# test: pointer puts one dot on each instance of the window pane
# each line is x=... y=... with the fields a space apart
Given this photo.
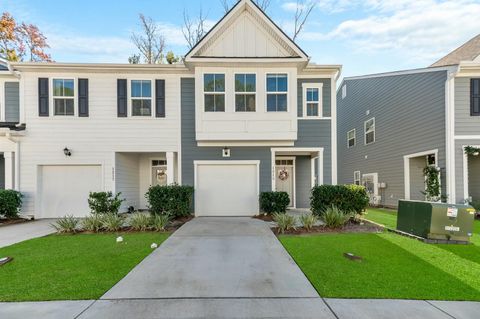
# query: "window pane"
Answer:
x=251 y=103
x=136 y=88
x=271 y=103
x=476 y=106
x=68 y=88
x=271 y=83
x=219 y=103
x=351 y=143
x=281 y=102
x=141 y=107
x=476 y=86
x=369 y=125
x=209 y=103
x=282 y=83
x=370 y=137
x=240 y=103
x=57 y=87
x=209 y=82
x=59 y=106
x=314 y=95
x=251 y=83
x=312 y=109
x=146 y=89
x=69 y=107
x=219 y=83
x=239 y=82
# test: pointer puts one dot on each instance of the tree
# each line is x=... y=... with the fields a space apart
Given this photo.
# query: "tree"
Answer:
x=20 y=40
x=172 y=58
x=150 y=42
x=263 y=4
x=193 y=30
x=302 y=13
x=134 y=59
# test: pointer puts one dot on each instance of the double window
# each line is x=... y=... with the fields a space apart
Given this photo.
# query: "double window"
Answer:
x=64 y=97
x=245 y=92
x=370 y=131
x=277 y=88
x=475 y=97
x=141 y=96
x=351 y=138
x=214 y=92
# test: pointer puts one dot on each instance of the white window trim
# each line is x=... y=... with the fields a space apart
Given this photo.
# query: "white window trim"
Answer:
x=248 y=93
x=344 y=91
x=277 y=92
x=359 y=180
x=354 y=138
x=305 y=87
x=224 y=93
x=130 y=104
x=374 y=131
x=52 y=97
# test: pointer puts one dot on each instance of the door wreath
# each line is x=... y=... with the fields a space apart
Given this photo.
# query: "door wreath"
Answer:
x=283 y=174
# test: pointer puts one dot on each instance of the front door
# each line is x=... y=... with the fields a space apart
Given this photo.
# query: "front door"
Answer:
x=285 y=177
x=370 y=181
x=159 y=172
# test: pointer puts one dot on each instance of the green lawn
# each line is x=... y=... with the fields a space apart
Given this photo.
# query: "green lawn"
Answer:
x=394 y=267
x=66 y=267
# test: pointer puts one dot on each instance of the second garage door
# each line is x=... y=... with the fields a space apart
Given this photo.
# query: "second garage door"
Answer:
x=64 y=190
x=226 y=188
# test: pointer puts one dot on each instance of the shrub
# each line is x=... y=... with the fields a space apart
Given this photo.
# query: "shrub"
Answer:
x=160 y=222
x=140 y=222
x=10 y=203
x=104 y=203
x=308 y=221
x=274 y=202
x=93 y=223
x=335 y=217
x=476 y=204
x=172 y=200
x=67 y=224
x=112 y=222
x=348 y=198
x=284 y=222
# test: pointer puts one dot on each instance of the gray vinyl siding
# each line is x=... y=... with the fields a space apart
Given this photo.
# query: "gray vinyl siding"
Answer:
x=12 y=102
x=303 y=181
x=465 y=124
x=409 y=113
x=2 y=171
x=191 y=152
x=326 y=95
x=459 y=169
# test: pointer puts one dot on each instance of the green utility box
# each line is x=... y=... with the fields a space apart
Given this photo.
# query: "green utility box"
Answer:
x=436 y=221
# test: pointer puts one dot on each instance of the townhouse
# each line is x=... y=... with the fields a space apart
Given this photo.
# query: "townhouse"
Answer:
x=245 y=112
x=391 y=126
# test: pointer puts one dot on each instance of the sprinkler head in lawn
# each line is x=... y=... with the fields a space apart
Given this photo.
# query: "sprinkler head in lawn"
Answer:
x=5 y=260
x=352 y=257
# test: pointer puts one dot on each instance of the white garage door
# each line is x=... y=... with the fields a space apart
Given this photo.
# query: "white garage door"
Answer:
x=226 y=188
x=64 y=189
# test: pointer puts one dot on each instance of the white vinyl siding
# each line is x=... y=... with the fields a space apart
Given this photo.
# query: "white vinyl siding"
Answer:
x=214 y=92
x=277 y=93
x=351 y=138
x=370 y=131
x=63 y=97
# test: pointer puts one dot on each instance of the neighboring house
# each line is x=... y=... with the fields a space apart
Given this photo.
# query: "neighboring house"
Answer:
x=246 y=112
x=392 y=125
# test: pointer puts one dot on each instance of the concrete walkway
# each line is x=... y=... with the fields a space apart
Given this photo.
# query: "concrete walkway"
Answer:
x=12 y=234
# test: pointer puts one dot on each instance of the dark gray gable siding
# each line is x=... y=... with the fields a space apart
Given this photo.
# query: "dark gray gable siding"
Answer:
x=410 y=118
x=326 y=95
x=191 y=152
x=12 y=102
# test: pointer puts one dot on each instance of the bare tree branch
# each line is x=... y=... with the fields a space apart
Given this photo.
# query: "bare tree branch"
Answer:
x=150 y=42
x=193 y=30
x=302 y=13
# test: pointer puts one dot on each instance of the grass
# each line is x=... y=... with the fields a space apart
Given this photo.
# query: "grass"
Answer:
x=71 y=267
x=394 y=266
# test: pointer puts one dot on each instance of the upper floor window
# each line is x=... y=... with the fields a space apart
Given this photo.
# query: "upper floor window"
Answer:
x=245 y=92
x=312 y=100
x=351 y=138
x=64 y=97
x=357 y=178
x=214 y=92
x=475 y=97
x=344 y=91
x=370 y=131
x=277 y=88
x=141 y=94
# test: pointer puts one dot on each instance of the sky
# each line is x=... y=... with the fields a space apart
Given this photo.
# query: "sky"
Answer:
x=365 y=36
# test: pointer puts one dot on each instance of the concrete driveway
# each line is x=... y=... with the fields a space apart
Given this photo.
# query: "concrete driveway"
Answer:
x=214 y=268
x=12 y=234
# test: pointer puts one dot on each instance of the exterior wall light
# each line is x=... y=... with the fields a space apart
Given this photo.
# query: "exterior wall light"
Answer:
x=226 y=152
x=67 y=152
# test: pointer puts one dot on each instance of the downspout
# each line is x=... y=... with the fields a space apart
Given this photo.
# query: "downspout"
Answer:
x=450 y=134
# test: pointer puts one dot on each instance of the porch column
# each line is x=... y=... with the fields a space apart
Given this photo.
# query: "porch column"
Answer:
x=9 y=165
x=320 y=169
x=170 y=168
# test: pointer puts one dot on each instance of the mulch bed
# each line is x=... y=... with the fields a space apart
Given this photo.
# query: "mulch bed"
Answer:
x=6 y=222
x=265 y=218
x=352 y=227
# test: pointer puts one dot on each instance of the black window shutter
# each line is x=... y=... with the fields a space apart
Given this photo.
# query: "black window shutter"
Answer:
x=122 y=98
x=43 y=97
x=160 y=98
x=83 y=97
x=475 y=97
